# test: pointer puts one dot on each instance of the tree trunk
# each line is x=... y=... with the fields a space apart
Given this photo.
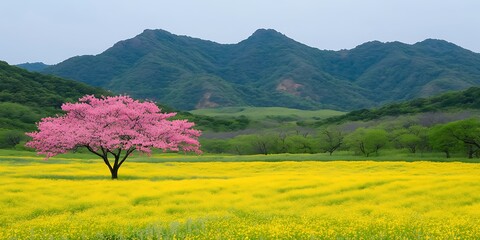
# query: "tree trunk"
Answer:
x=447 y=153
x=470 y=151
x=362 y=149
x=118 y=160
x=114 y=172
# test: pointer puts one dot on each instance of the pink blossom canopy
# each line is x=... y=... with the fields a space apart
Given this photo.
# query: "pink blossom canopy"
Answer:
x=113 y=123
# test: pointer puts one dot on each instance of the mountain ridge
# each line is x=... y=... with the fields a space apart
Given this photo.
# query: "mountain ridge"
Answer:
x=33 y=67
x=270 y=69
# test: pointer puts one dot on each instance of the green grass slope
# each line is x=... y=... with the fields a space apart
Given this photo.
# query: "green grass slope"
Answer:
x=260 y=113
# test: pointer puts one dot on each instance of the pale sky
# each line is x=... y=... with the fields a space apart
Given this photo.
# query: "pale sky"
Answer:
x=51 y=31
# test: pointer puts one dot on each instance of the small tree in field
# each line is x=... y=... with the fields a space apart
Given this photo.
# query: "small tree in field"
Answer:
x=442 y=140
x=367 y=141
x=113 y=127
x=331 y=139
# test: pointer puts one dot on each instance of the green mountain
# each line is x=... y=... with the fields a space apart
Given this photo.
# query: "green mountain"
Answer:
x=25 y=96
x=270 y=69
x=33 y=67
x=450 y=101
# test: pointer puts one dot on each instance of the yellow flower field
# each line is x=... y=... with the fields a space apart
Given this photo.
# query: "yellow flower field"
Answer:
x=75 y=199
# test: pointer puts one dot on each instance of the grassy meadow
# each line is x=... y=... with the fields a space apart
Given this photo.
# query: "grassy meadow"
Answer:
x=261 y=113
x=72 y=197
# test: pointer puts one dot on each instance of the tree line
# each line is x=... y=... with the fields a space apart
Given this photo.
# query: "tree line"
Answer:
x=455 y=137
x=460 y=137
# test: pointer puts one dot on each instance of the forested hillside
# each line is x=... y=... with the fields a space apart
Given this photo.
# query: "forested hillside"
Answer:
x=451 y=101
x=25 y=97
x=270 y=69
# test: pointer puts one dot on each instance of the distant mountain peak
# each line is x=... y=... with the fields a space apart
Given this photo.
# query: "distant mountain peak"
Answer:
x=154 y=33
x=435 y=41
x=437 y=44
x=267 y=35
x=33 y=67
x=266 y=31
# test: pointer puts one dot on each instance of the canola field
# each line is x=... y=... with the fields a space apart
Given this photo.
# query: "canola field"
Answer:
x=75 y=199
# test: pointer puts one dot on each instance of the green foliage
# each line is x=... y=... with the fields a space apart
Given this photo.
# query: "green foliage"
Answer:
x=217 y=124
x=243 y=145
x=11 y=138
x=301 y=144
x=331 y=139
x=467 y=132
x=270 y=69
x=275 y=113
x=414 y=138
x=39 y=91
x=442 y=140
x=25 y=97
x=409 y=141
x=458 y=138
x=18 y=116
x=215 y=145
x=264 y=143
x=217 y=119
x=367 y=141
x=468 y=99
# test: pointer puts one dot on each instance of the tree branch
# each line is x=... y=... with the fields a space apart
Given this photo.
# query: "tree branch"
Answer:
x=129 y=151
x=104 y=156
x=94 y=152
x=114 y=154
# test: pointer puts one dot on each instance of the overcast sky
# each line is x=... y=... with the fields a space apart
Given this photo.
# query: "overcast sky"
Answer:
x=51 y=31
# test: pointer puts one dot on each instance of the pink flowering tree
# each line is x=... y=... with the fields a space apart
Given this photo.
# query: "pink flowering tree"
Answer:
x=113 y=128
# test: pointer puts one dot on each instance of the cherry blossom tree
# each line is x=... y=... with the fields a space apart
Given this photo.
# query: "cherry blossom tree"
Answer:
x=113 y=127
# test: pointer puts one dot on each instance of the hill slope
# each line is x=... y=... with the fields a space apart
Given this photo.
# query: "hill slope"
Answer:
x=457 y=100
x=25 y=96
x=270 y=69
